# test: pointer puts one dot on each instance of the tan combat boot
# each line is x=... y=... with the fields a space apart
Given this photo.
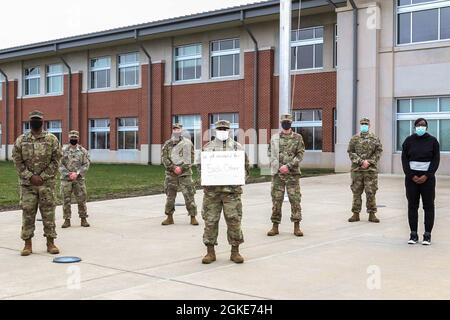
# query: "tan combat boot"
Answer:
x=84 y=223
x=194 y=221
x=235 y=256
x=168 y=221
x=274 y=231
x=27 y=250
x=373 y=218
x=210 y=255
x=51 y=248
x=297 y=231
x=66 y=224
x=354 y=218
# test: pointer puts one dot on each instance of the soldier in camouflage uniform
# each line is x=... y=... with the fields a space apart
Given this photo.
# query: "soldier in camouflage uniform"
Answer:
x=74 y=166
x=178 y=158
x=365 y=151
x=226 y=198
x=285 y=153
x=36 y=156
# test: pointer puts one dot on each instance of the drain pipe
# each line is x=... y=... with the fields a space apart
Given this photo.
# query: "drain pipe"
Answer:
x=6 y=113
x=69 y=95
x=355 y=64
x=256 y=88
x=150 y=98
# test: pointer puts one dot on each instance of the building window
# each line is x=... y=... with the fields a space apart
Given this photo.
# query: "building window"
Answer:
x=54 y=78
x=307 y=49
x=128 y=69
x=233 y=118
x=308 y=123
x=26 y=127
x=435 y=110
x=336 y=38
x=192 y=128
x=127 y=134
x=99 y=134
x=32 y=81
x=55 y=128
x=422 y=20
x=188 y=62
x=100 y=73
x=225 y=58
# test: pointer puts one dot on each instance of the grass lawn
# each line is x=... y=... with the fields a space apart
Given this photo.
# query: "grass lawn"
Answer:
x=109 y=181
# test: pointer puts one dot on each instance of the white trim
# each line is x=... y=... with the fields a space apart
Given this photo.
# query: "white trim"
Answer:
x=423 y=6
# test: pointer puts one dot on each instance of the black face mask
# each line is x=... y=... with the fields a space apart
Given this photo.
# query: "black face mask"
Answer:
x=36 y=124
x=73 y=142
x=286 y=125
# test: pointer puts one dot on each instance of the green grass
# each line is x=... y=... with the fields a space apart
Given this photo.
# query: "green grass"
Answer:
x=110 y=181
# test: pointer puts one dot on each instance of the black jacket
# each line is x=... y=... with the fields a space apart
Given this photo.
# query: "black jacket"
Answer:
x=423 y=149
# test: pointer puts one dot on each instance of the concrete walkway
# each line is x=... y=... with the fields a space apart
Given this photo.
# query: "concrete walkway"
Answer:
x=127 y=254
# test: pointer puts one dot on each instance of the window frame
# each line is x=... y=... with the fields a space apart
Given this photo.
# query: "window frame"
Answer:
x=56 y=131
x=54 y=75
x=187 y=58
x=197 y=127
x=308 y=42
x=97 y=69
x=228 y=52
x=136 y=65
x=134 y=129
x=100 y=129
x=32 y=77
x=412 y=116
x=310 y=124
x=418 y=7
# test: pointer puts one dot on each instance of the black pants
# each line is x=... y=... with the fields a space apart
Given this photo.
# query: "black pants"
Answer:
x=413 y=193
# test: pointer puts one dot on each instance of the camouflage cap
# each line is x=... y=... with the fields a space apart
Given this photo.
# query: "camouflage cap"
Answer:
x=36 y=114
x=286 y=117
x=222 y=124
x=74 y=134
x=177 y=126
x=364 y=121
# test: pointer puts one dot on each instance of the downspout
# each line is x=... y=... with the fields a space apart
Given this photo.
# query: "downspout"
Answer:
x=355 y=64
x=255 y=89
x=6 y=113
x=149 y=98
x=69 y=95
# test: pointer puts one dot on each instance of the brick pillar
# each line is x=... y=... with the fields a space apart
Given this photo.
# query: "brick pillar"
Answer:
x=159 y=117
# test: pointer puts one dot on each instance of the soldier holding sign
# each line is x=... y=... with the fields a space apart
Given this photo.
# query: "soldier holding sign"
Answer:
x=226 y=197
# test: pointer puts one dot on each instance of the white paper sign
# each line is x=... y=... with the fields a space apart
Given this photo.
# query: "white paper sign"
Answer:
x=223 y=168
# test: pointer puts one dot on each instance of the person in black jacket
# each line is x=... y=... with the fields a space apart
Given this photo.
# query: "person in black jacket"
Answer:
x=420 y=160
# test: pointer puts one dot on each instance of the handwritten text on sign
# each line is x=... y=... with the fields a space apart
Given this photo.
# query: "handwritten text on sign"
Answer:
x=223 y=168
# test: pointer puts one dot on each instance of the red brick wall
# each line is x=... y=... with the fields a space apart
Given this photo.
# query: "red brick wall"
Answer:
x=313 y=91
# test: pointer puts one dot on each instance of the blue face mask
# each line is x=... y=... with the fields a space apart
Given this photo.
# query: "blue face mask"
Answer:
x=421 y=130
x=364 y=128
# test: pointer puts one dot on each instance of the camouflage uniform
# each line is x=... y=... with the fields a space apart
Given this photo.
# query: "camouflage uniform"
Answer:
x=179 y=153
x=227 y=198
x=74 y=159
x=364 y=146
x=286 y=149
x=40 y=156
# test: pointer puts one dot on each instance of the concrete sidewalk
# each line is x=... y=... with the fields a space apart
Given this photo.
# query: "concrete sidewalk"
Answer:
x=127 y=254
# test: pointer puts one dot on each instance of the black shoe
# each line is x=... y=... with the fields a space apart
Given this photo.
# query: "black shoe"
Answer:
x=426 y=239
x=414 y=238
